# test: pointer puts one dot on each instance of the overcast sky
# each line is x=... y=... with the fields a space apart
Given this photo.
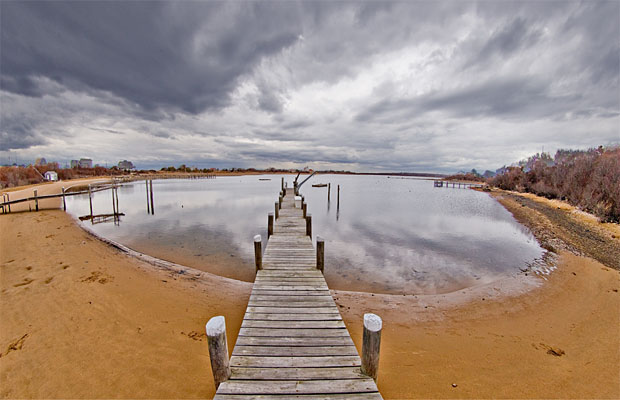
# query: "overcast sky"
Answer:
x=407 y=86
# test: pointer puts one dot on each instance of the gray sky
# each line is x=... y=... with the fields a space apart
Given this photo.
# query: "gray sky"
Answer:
x=363 y=86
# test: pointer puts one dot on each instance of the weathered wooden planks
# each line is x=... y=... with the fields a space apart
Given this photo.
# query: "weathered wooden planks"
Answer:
x=293 y=343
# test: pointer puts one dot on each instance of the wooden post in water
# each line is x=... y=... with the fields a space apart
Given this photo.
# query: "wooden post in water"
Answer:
x=116 y=190
x=113 y=203
x=304 y=207
x=371 y=344
x=309 y=225
x=218 y=349
x=283 y=184
x=36 y=201
x=277 y=210
x=280 y=202
x=338 y=202
x=148 y=203
x=258 y=254
x=269 y=225
x=320 y=254
x=329 y=189
x=64 y=203
x=152 y=204
x=90 y=200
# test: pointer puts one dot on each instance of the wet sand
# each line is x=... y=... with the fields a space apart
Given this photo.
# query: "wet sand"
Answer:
x=80 y=319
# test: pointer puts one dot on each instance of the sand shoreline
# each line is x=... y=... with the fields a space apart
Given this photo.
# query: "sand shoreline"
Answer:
x=83 y=320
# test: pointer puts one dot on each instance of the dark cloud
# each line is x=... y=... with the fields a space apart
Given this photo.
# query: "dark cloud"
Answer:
x=18 y=134
x=501 y=98
x=136 y=51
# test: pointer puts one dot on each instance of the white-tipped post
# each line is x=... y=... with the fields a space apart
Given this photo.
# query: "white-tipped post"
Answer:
x=371 y=344
x=258 y=253
x=218 y=349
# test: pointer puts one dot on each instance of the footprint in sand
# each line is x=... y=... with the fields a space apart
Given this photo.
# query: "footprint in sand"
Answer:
x=48 y=280
x=98 y=276
x=16 y=344
x=27 y=281
x=195 y=335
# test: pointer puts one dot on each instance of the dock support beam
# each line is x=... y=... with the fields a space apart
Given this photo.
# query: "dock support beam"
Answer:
x=258 y=253
x=320 y=254
x=277 y=210
x=371 y=344
x=304 y=207
x=90 y=199
x=269 y=225
x=309 y=225
x=218 y=349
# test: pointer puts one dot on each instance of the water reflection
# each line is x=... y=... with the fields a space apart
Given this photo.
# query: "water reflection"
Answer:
x=382 y=235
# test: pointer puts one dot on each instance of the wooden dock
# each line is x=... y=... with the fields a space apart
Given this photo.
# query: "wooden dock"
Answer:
x=293 y=342
x=464 y=185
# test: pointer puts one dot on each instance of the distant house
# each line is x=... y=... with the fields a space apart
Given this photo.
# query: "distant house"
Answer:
x=51 y=176
x=85 y=163
x=125 y=165
x=75 y=163
x=40 y=162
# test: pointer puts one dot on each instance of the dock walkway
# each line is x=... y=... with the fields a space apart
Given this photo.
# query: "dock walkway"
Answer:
x=293 y=342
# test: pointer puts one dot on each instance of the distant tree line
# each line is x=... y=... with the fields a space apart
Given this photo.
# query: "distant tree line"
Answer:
x=20 y=176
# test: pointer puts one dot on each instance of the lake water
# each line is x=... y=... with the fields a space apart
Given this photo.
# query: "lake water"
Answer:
x=389 y=235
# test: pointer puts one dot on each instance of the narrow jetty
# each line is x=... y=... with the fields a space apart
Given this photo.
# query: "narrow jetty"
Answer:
x=464 y=185
x=293 y=342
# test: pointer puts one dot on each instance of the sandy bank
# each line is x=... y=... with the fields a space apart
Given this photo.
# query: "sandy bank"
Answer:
x=82 y=320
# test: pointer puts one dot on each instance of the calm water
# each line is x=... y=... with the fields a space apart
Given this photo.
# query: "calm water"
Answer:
x=389 y=235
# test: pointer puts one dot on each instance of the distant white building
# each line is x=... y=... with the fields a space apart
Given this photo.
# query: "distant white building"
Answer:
x=125 y=165
x=51 y=176
x=85 y=163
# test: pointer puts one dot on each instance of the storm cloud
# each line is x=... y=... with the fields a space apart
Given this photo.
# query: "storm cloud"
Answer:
x=367 y=86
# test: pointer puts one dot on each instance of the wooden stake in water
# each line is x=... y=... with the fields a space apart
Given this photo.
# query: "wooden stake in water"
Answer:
x=338 y=202
x=277 y=210
x=218 y=349
x=90 y=200
x=64 y=203
x=329 y=189
x=148 y=203
x=152 y=204
x=371 y=344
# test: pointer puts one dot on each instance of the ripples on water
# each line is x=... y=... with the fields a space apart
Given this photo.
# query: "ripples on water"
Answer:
x=389 y=235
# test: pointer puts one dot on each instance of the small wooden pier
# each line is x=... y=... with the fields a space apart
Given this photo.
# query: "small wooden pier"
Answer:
x=459 y=185
x=293 y=342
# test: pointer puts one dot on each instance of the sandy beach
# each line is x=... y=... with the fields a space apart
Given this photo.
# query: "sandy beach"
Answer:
x=81 y=319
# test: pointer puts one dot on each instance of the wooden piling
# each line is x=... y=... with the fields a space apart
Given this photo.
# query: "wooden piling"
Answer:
x=36 y=201
x=148 y=203
x=304 y=207
x=320 y=254
x=283 y=184
x=269 y=225
x=116 y=191
x=152 y=204
x=258 y=254
x=64 y=203
x=371 y=344
x=8 y=198
x=218 y=349
x=309 y=225
x=90 y=200
x=113 y=203
x=338 y=202
x=280 y=202
x=277 y=210
x=329 y=189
